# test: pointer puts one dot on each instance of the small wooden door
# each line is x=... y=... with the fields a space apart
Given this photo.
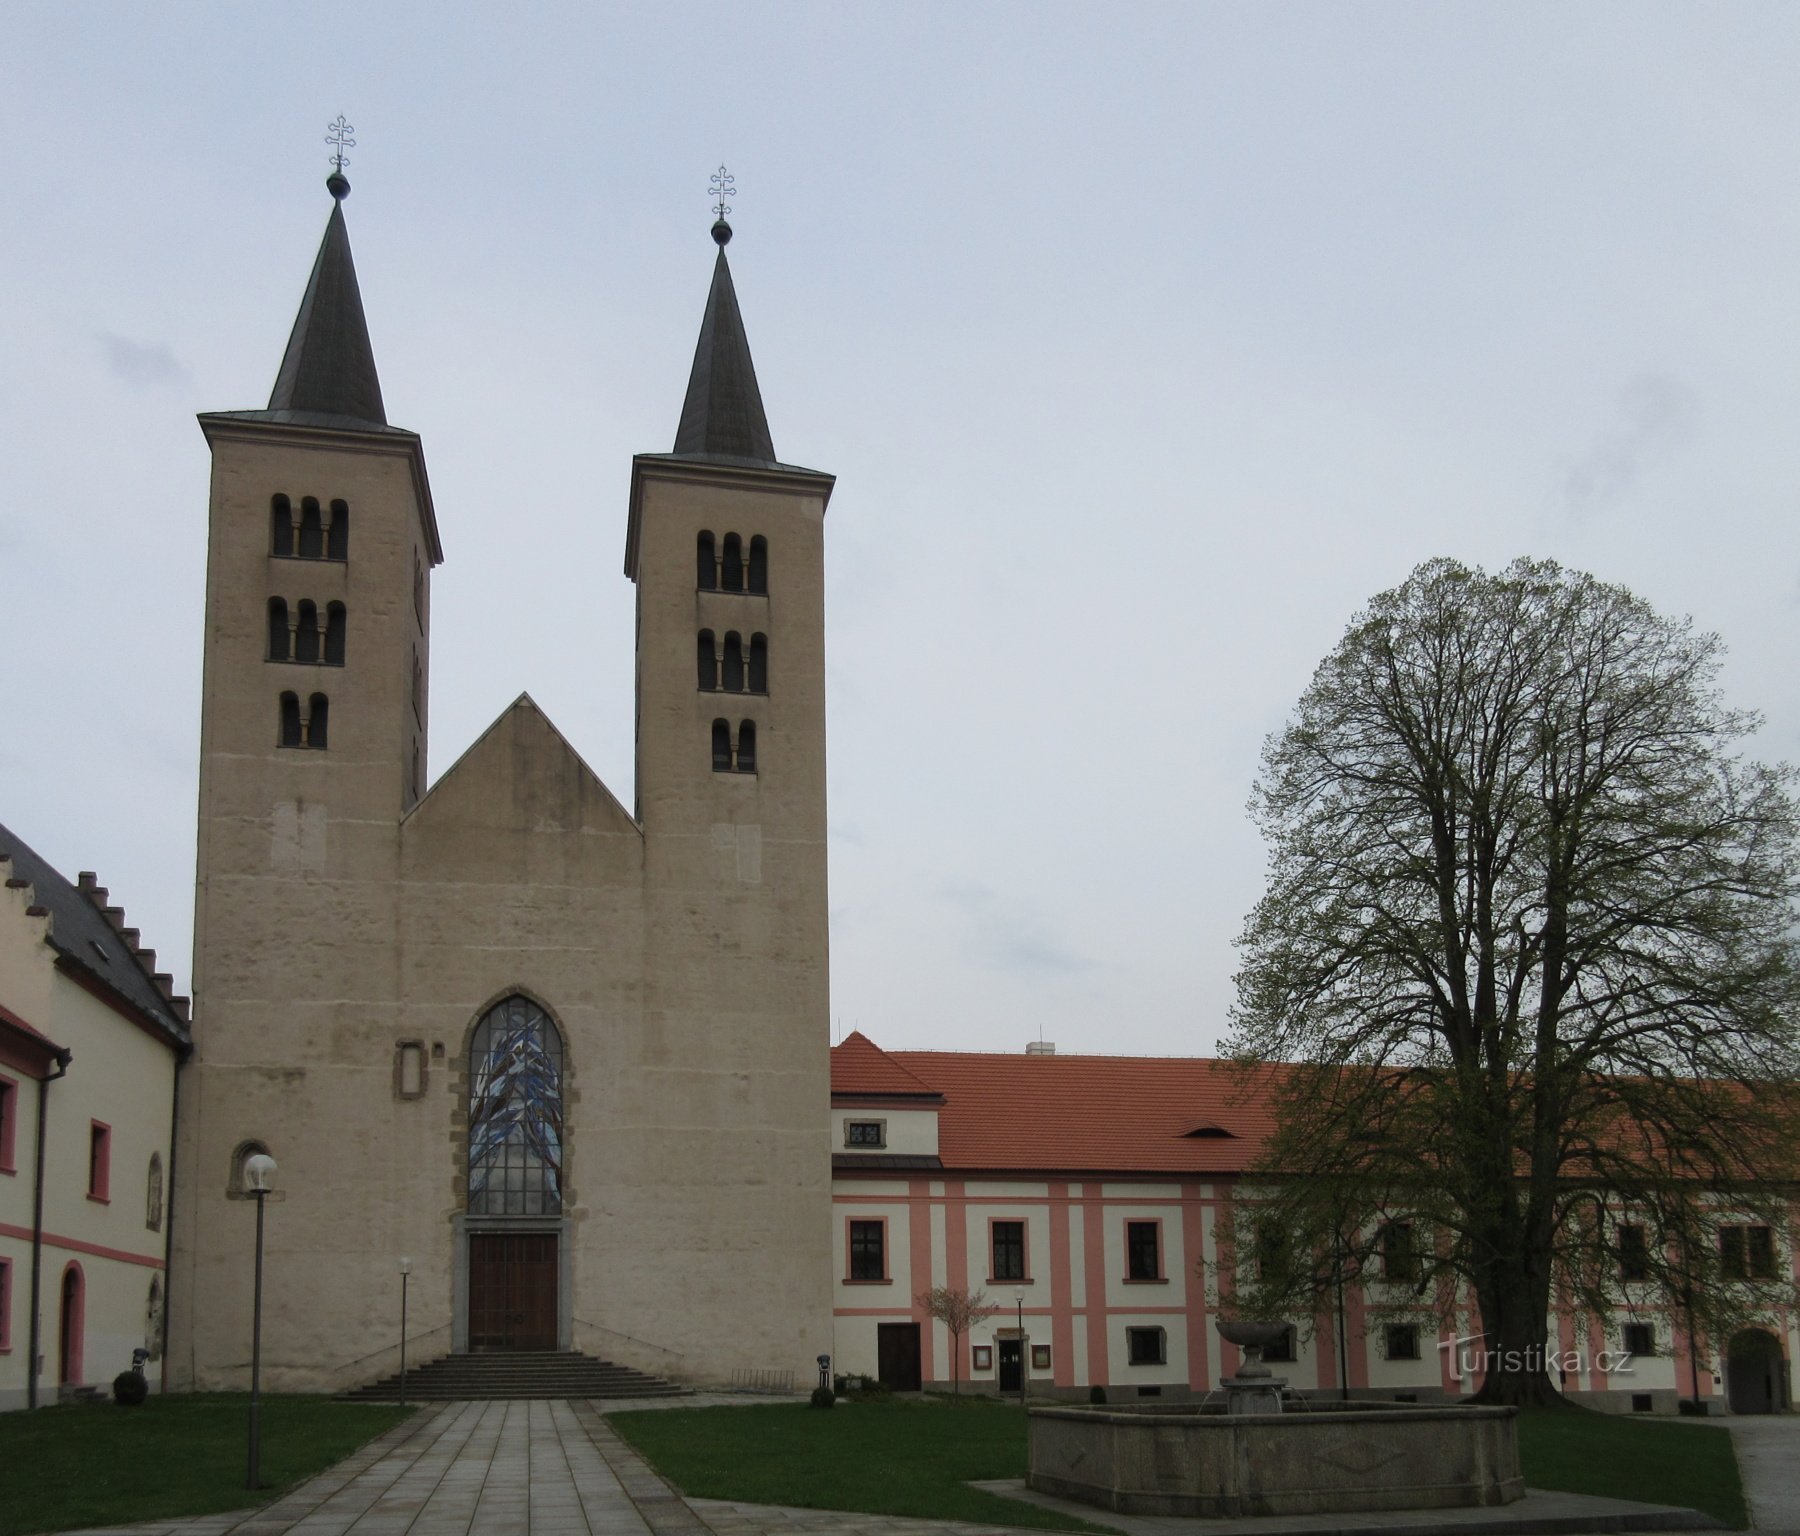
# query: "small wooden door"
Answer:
x=1754 y=1372
x=1009 y=1365
x=897 y=1356
x=512 y=1290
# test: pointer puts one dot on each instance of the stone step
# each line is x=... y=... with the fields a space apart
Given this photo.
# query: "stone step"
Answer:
x=517 y=1374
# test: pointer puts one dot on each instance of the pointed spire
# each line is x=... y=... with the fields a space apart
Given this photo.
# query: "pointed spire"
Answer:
x=329 y=367
x=722 y=416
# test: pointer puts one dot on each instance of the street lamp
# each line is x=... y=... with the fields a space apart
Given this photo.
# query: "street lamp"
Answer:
x=259 y=1179
x=405 y=1270
x=1024 y=1356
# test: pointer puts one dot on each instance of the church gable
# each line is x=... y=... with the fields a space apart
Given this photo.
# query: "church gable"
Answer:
x=514 y=800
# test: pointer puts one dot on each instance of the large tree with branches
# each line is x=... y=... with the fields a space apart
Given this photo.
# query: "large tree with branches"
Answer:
x=1527 y=965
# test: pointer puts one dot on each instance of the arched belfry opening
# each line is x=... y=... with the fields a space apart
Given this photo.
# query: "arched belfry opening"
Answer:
x=512 y=1251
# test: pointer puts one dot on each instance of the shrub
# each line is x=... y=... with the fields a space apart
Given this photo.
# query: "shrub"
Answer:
x=130 y=1389
x=823 y=1397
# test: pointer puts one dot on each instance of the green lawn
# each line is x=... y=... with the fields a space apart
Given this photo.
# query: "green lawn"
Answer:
x=1620 y=1457
x=97 y=1464
x=906 y=1457
x=888 y=1458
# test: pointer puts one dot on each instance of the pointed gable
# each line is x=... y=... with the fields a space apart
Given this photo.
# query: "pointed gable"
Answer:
x=861 y=1069
x=722 y=417
x=329 y=366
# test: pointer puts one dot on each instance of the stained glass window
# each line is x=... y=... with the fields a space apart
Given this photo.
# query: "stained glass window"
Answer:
x=515 y=1113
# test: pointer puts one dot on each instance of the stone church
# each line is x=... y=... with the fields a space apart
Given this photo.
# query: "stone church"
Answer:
x=567 y=1056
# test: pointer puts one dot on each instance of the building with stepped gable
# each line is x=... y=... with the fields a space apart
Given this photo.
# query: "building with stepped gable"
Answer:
x=568 y=1056
x=91 y=1035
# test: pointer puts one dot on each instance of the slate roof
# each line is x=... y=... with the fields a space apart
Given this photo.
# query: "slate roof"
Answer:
x=329 y=367
x=1120 y=1115
x=722 y=417
x=87 y=939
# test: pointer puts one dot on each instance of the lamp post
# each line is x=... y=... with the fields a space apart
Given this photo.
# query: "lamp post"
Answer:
x=1024 y=1357
x=405 y=1271
x=259 y=1178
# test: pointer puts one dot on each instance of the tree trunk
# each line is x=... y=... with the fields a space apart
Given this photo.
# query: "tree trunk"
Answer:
x=1514 y=1348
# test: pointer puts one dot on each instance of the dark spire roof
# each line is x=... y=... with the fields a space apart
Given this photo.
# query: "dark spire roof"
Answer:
x=722 y=417
x=329 y=368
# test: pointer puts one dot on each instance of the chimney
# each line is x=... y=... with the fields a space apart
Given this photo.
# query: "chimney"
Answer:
x=1040 y=1047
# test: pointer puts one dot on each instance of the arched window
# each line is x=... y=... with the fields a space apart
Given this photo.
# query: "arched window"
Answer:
x=418 y=781
x=759 y=663
x=706 y=563
x=306 y=632
x=515 y=1112
x=734 y=664
x=731 y=576
x=706 y=661
x=153 y=1318
x=278 y=629
x=338 y=546
x=153 y=1194
x=419 y=589
x=290 y=720
x=721 y=746
x=746 y=752
x=316 y=721
x=235 y=1186
x=281 y=526
x=72 y=1326
x=312 y=529
x=335 y=624
x=759 y=564
x=418 y=693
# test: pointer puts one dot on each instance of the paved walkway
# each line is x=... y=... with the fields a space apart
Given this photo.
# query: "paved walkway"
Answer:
x=1768 y=1457
x=557 y=1469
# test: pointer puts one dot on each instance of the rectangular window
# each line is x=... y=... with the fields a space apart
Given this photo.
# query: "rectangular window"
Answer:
x=1283 y=1349
x=865 y=1133
x=1144 y=1346
x=5 y=1305
x=1634 y=1254
x=1638 y=1338
x=409 y=1069
x=1398 y=1261
x=1747 y=1253
x=1009 y=1250
x=9 y=1123
x=99 y=1160
x=1143 y=1250
x=1402 y=1341
x=868 y=1250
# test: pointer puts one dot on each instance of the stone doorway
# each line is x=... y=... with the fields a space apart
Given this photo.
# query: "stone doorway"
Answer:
x=1012 y=1363
x=1755 y=1373
x=513 y=1290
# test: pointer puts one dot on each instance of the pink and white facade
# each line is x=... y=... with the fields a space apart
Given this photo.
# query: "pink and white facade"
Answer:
x=1085 y=1195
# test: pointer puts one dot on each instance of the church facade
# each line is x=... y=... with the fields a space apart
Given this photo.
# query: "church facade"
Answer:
x=568 y=1058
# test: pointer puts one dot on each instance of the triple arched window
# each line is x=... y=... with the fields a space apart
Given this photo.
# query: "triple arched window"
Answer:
x=729 y=565
x=315 y=532
x=302 y=634
x=734 y=754
x=305 y=725
x=515 y=1112
x=730 y=666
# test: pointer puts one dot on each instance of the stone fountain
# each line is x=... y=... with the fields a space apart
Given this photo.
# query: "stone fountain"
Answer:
x=1254 y=1389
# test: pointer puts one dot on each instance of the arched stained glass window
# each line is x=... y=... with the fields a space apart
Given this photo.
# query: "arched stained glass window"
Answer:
x=515 y=1112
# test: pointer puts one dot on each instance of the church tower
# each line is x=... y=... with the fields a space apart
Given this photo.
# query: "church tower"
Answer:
x=321 y=540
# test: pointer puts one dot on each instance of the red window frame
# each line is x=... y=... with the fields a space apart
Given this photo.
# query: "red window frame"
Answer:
x=9 y=1123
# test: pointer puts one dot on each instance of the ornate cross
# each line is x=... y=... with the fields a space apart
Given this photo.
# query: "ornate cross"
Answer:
x=338 y=135
x=724 y=185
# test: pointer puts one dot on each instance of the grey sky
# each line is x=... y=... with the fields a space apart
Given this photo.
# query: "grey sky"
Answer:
x=1147 y=342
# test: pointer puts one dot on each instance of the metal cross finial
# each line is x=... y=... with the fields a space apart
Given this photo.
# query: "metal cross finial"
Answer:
x=724 y=185
x=338 y=135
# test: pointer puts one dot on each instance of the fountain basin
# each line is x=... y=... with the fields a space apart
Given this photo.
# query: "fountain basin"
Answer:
x=1183 y=1461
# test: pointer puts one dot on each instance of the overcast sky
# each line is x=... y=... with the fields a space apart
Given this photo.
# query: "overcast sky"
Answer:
x=1147 y=342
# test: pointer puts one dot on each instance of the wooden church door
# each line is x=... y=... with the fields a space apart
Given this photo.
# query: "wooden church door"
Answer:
x=512 y=1290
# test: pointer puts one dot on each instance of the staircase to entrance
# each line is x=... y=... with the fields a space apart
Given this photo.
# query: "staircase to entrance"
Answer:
x=548 y=1373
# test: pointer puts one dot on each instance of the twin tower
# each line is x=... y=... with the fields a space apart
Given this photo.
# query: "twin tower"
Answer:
x=568 y=1058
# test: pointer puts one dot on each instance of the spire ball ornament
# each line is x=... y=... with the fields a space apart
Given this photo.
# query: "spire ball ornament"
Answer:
x=338 y=136
x=724 y=185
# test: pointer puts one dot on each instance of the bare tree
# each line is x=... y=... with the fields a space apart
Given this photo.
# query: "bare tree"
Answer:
x=959 y=1311
x=1526 y=956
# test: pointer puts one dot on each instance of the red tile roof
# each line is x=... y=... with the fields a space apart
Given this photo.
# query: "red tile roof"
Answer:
x=860 y=1067
x=1079 y=1114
